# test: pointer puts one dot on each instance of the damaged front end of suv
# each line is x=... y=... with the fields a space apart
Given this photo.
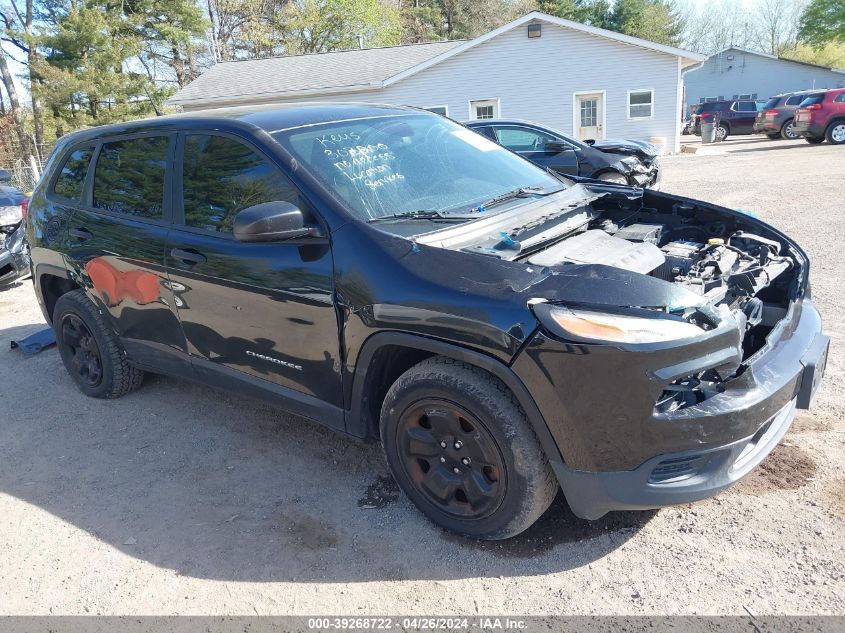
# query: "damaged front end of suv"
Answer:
x=676 y=339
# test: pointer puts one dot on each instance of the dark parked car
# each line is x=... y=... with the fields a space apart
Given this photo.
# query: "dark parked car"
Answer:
x=393 y=275
x=635 y=163
x=775 y=118
x=822 y=116
x=14 y=252
x=736 y=116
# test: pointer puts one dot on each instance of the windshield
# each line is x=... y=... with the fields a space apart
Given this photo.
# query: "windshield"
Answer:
x=395 y=164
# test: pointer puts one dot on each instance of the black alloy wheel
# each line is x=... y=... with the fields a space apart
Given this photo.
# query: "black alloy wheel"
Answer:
x=81 y=350
x=452 y=458
x=462 y=449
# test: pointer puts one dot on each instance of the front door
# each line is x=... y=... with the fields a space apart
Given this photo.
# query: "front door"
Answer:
x=589 y=116
x=261 y=312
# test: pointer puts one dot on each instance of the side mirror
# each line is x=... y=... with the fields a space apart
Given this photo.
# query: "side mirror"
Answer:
x=557 y=147
x=271 y=222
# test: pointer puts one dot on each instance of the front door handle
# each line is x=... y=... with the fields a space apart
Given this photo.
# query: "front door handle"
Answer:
x=188 y=256
x=81 y=233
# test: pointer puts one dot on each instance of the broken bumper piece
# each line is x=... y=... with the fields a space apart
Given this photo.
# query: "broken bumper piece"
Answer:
x=620 y=452
x=673 y=478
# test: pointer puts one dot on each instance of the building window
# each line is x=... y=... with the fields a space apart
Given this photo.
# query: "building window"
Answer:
x=535 y=30
x=640 y=104
x=484 y=109
x=442 y=110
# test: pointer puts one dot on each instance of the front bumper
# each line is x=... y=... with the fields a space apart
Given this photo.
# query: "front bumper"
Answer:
x=14 y=257
x=620 y=453
x=672 y=478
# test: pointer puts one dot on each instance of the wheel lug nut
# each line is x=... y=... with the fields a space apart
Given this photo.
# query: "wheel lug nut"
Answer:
x=442 y=460
x=443 y=444
x=465 y=461
x=456 y=470
x=458 y=444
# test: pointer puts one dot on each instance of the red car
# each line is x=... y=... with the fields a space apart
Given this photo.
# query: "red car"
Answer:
x=822 y=116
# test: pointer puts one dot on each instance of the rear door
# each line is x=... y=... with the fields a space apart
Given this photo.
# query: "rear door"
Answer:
x=743 y=114
x=261 y=312
x=117 y=235
x=539 y=147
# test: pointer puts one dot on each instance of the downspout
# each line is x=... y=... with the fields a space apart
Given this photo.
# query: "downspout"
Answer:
x=682 y=98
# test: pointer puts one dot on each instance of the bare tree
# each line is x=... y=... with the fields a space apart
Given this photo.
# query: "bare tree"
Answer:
x=776 y=24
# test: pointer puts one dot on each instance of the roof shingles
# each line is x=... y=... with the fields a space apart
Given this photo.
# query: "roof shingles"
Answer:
x=306 y=73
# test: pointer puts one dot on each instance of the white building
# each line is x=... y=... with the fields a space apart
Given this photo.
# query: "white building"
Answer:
x=735 y=73
x=582 y=80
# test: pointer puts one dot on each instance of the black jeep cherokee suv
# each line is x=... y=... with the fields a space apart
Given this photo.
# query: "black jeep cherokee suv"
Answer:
x=391 y=274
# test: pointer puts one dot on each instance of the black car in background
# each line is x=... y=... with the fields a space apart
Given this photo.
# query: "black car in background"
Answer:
x=395 y=276
x=14 y=253
x=736 y=116
x=634 y=163
x=776 y=117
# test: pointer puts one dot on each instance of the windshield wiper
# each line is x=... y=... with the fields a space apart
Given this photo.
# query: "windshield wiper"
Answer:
x=420 y=214
x=521 y=192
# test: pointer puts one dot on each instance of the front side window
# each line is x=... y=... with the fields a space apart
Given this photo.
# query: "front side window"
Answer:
x=485 y=109
x=640 y=104
x=71 y=179
x=409 y=162
x=129 y=177
x=222 y=176
x=520 y=139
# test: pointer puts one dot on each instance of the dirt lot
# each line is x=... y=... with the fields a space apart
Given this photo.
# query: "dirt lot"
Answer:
x=178 y=499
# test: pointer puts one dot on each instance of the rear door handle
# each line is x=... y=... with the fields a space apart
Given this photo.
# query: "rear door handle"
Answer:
x=81 y=233
x=188 y=256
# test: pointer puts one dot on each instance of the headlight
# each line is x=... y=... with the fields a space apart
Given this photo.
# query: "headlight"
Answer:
x=10 y=215
x=619 y=328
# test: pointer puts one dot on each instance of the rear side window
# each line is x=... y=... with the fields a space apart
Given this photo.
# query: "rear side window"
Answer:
x=222 y=176
x=129 y=177
x=840 y=98
x=71 y=178
x=794 y=100
x=746 y=106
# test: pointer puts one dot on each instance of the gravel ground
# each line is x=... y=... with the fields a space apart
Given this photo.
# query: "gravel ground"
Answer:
x=178 y=499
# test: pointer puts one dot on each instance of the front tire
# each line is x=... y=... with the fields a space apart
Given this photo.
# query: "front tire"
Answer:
x=90 y=350
x=462 y=449
x=836 y=133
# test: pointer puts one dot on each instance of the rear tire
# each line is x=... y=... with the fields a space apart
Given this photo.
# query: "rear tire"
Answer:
x=813 y=140
x=787 y=132
x=836 y=133
x=462 y=449
x=721 y=131
x=90 y=350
